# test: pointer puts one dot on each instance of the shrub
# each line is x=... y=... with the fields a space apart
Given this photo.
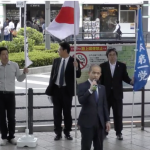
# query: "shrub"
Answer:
x=41 y=48
x=17 y=45
x=39 y=58
x=53 y=47
x=32 y=34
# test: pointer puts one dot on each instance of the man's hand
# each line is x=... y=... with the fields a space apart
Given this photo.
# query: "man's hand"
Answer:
x=94 y=83
x=75 y=64
x=132 y=81
x=108 y=126
x=25 y=70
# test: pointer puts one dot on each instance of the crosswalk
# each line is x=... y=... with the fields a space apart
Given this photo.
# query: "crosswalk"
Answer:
x=36 y=81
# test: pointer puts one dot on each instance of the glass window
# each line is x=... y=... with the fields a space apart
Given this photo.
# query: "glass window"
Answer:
x=91 y=22
x=127 y=16
x=108 y=18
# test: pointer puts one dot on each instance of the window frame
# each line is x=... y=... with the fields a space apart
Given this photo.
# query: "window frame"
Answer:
x=128 y=15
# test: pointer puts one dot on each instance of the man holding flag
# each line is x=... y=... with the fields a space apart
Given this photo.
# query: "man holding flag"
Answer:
x=65 y=69
x=8 y=72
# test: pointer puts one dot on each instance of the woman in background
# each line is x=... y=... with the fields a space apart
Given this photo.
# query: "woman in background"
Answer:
x=7 y=32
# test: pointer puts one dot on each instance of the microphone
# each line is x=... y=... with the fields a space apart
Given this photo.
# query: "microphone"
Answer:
x=94 y=86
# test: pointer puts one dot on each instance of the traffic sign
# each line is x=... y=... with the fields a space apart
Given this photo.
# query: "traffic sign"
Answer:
x=19 y=4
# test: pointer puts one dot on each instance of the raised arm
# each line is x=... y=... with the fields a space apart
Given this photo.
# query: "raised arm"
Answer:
x=83 y=94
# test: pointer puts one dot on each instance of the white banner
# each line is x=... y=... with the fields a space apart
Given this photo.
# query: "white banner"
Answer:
x=28 y=62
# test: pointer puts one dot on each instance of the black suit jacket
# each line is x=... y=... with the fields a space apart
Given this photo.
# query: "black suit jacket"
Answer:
x=90 y=109
x=69 y=76
x=115 y=82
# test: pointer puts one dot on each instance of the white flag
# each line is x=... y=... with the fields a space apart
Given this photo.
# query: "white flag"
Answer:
x=28 y=62
x=63 y=25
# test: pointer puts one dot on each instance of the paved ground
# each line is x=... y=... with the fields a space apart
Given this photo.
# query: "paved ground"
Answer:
x=140 y=141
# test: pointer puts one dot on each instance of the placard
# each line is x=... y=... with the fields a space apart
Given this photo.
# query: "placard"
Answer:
x=96 y=54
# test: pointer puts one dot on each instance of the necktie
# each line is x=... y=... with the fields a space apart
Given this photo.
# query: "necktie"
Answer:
x=96 y=96
x=61 y=79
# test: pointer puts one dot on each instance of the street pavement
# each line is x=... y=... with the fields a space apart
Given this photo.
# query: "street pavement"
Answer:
x=39 y=83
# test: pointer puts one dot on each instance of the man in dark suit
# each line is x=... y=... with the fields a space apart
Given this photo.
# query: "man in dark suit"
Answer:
x=61 y=89
x=94 y=116
x=113 y=75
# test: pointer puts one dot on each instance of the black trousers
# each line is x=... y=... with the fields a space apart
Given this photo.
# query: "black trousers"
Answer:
x=62 y=102
x=117 y=107
x=118 y=36
x=89 y=135
x=7 y=108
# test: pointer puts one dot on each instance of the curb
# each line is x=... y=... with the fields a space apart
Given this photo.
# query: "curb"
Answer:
x=50 y=127
x=37 y=70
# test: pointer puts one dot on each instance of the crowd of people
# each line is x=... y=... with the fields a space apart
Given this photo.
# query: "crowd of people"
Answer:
x=9 y=29
x=102 y=91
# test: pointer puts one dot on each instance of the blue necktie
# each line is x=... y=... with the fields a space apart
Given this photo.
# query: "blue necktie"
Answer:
x=96 y=96
x=61 y=79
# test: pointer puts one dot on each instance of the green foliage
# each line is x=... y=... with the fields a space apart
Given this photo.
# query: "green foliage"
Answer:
x=32 y=34
x=17 y=45
x=41 y=48
x=39 y=58
x=54 y=47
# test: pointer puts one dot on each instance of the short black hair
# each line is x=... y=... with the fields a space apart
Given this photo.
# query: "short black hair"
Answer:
x=117 y=21
x=109 y=50
x=65 y=46
x=3 y=49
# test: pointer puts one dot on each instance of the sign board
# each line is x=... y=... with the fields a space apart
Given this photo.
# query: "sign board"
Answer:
x=96 y=54
x=20 y=4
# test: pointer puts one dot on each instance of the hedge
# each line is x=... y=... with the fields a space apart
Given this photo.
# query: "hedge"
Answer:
x=32 y=34
x=17 y=44
x=39 y=58
x=54 y=47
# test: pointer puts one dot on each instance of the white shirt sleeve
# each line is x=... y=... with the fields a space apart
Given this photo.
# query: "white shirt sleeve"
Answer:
x=117 y=27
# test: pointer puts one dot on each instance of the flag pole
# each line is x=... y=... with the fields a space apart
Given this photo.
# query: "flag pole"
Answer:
x=137 y=20
x=25 y=48
x=75 y=92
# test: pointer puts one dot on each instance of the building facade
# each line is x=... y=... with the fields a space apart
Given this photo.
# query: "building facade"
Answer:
x=97 y=19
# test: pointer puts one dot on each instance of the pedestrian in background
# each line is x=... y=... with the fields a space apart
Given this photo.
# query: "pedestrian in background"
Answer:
x=7 y=32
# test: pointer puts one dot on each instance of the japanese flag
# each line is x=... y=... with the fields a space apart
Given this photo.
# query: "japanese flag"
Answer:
x=63 y=25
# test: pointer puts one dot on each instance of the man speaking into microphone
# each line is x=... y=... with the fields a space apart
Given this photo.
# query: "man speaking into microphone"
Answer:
x=94 y=116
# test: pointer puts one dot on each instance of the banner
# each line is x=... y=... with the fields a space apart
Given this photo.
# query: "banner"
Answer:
x=142 y=65
x=91 y=54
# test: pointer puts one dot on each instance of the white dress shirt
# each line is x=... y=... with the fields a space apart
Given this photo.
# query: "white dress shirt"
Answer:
x=58 y=76
x=8 y=73
x=112 y=68
x=11 y=25
x=117 y=27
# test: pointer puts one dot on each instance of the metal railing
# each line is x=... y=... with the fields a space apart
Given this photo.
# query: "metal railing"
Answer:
x=31 y=107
